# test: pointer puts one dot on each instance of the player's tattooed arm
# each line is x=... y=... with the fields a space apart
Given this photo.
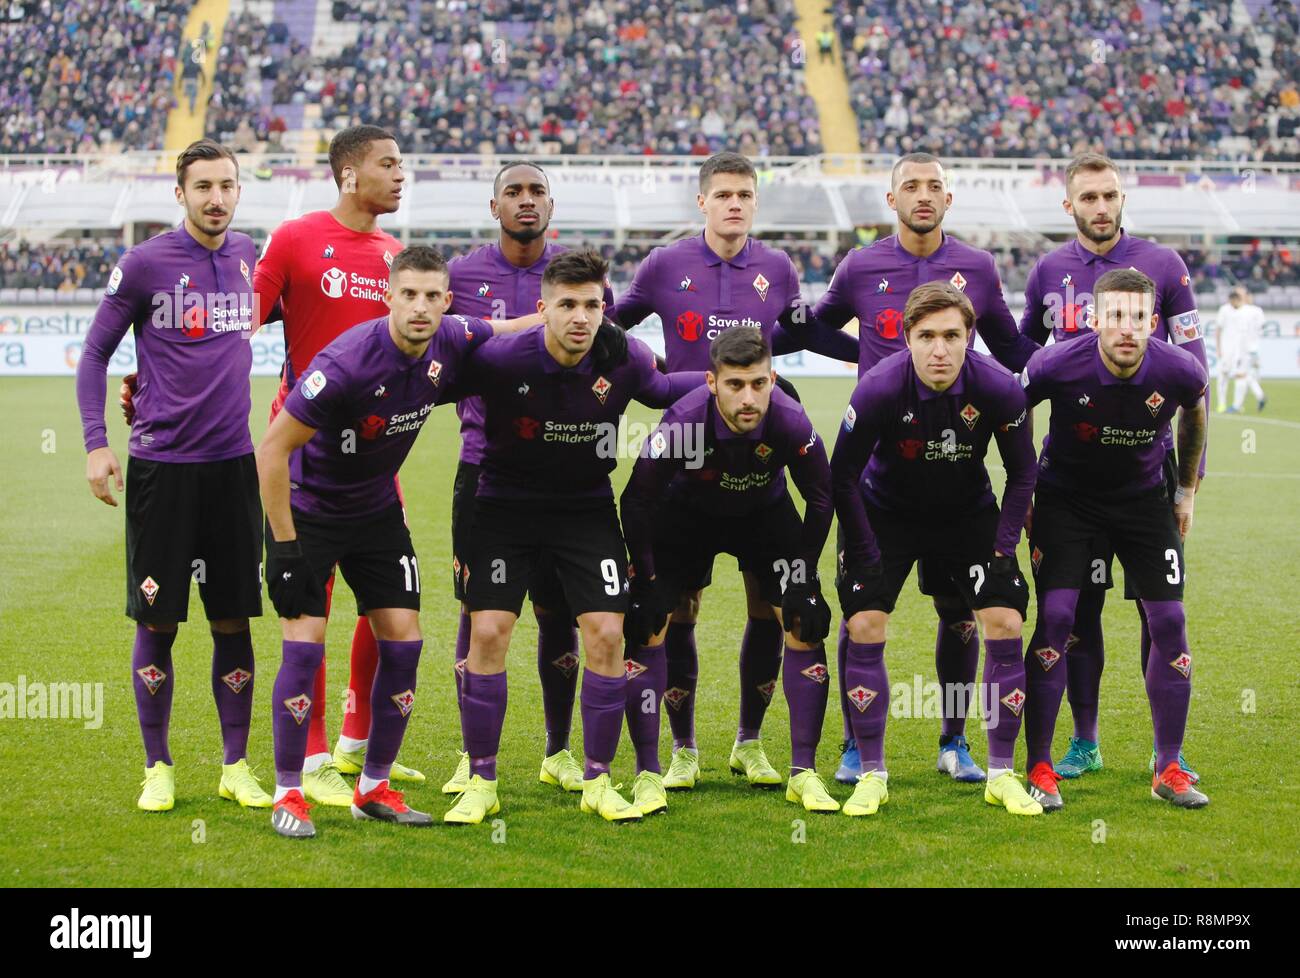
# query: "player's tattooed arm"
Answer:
x=1192 y=424
x=285 y=435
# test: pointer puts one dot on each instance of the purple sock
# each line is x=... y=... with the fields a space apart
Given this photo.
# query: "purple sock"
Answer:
x=392 y=697
x=291 y=707
x=482 y=714
x=232 y=688
x=1169 y=678
x=1084 y=663
x=1004 y=699
x=841 y=665
x=868 y=694
x=806 y=684
x=1145 y=638
x=1044 y=673
x=462 y=651
x=683 y=678
x=151 y=674
x=603 y=701
x=557 y=665
x=956 y=662
x=647 y=678
x=760 y=668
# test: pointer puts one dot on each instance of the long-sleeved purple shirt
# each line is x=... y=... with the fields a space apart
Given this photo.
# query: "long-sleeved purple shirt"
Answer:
x=552 y=431
x=873 y=284
x=697 y=295
x=737 y=474
x=906 y=448
x=1107 y=435
x=486 y=285
x=191 y=310
x=368 y=401
x=1059 y=300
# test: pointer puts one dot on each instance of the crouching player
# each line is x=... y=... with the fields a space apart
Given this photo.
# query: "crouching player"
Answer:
x=348 y=425
x=910 y=483
x=1101 y=480
x=552 y=398
x=711 y=480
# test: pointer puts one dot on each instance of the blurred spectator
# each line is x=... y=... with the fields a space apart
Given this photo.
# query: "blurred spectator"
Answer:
x=60 y=265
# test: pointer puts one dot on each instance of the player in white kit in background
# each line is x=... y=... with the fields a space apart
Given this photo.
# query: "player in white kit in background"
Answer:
x=1240 y=323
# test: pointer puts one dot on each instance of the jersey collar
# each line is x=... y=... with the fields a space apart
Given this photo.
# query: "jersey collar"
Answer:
x=711 y=257
x=195 y=250
x=905 y=256
x=552 y=366
x=1108 y=379
x=498 y=259
x=720 y=429
x=1116 y=256
x=958 y=388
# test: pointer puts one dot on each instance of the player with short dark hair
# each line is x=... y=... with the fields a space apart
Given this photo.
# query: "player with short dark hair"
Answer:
x=1101 y=481
x=552 y=398
x=911 y=485
x=328 y=466
x=501 y=280
x=874 y=284
x=192 y=509
x=1059 y=303
x=710 y=480
x=700 y=287
x=328 y=271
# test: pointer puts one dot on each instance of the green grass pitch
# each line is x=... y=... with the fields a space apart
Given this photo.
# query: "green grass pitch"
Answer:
x=68 y=817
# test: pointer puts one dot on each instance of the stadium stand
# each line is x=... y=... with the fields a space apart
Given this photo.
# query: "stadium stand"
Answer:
x=88 y=75
x=1138 y=79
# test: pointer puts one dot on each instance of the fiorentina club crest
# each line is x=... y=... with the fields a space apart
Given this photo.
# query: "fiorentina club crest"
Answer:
x=435 y=372
x=816 y=672
x=405 y=701
x=861 y=697
x=766 y=690
x=150 y=588
x=1071 y=641
x=1183 y=664
x=1155 y=402
x=601 y=389
x=970 y=415
x=567 y=663
x=965 y=630
x=1036 y=558
x=958 y=281
x=388 y=258
x=152 y=677
x=243 y=270
x=760 y=286
x=237 y=679
x=763 y=451
x=1047 y=657
x=298 y=707
x=460 y=668
x=632 y=669
x=676 y=696
x=1014 y=701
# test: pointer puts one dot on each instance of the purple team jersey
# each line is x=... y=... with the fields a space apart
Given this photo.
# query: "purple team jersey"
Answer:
x=1107 y=435
x=697 y=295
x=191 y=309
x=1059 y=300
x=738 y=474
x=485 y=285
x=906 y=448
x=368 y=401
x=552 y=431
x=873 y=284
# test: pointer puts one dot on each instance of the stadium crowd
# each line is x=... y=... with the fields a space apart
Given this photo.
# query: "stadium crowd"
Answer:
x=1140 y=80
x=89 y=75
x=63 y=266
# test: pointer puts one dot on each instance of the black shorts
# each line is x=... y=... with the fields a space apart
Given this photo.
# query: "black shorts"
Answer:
x=544 y=587
x=1141 y=531
x=578 y=539
x=951 y=556
x=374 y=553
x=766 y=544
x=193 y=520
x=1171 y=486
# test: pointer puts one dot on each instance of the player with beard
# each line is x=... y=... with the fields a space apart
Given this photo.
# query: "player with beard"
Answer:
x=1059 y=302
x=1102 y=484
x=701 y=286
x=873 y=284
x=191 y=502
x=499 y=281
